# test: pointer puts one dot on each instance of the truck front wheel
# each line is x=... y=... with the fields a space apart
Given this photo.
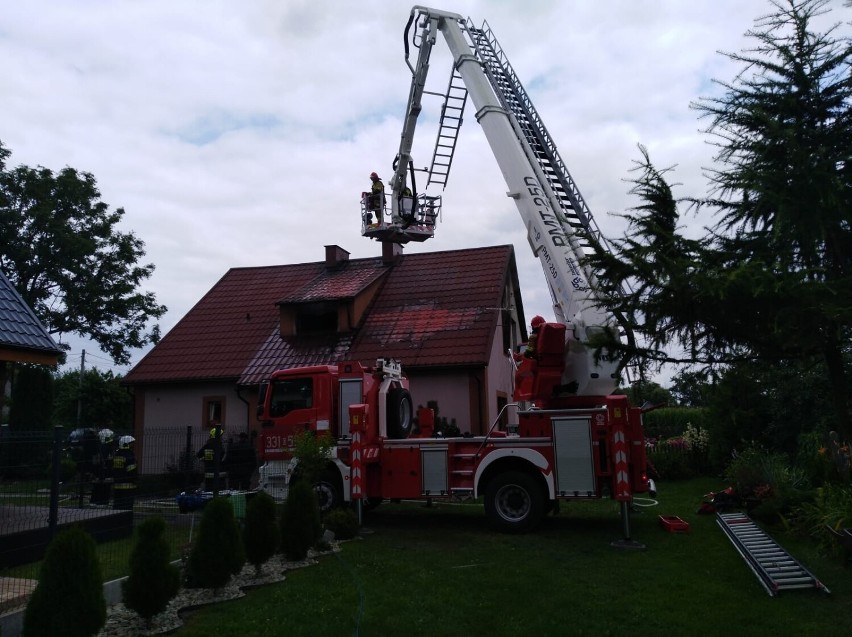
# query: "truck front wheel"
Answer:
x=514 y=502
x=328 y=493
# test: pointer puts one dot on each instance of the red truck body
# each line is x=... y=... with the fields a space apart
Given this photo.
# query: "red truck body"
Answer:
x=560 y=449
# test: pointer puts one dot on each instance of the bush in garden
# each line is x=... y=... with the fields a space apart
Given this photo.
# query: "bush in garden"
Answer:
x=766 y=481
x=153 y=579
x=300 y=520
x=832 y=508
x=342 y=522
x=218 y=552
x=69 y=597
x=260 y=535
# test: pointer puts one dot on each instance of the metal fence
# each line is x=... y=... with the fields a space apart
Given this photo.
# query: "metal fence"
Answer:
x=51 y=480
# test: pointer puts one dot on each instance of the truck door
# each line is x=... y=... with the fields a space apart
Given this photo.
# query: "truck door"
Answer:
x=295 y=405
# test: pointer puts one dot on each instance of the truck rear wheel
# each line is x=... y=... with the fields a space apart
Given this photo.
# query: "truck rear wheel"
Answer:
x=514 y=502
x=400 y=413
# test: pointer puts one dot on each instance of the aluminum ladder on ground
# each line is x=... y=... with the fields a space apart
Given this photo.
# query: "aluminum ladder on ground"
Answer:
x=774 y=567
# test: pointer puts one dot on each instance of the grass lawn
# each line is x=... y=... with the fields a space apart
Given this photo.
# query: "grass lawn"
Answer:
x=442 y=571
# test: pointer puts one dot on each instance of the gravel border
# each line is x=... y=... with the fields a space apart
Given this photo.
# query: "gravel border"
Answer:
x=123 y=622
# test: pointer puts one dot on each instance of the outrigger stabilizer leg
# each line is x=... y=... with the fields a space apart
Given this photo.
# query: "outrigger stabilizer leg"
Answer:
x=626 y=542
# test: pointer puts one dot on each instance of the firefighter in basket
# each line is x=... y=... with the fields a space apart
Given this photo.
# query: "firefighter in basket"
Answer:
x=374 y=200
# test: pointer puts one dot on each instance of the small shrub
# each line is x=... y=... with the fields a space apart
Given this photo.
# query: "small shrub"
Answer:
x=153 y=580
x=260 y=535
x=300 y=520
x=342 y=522
x=218 y=553
x=312 y=452
x=69 y=597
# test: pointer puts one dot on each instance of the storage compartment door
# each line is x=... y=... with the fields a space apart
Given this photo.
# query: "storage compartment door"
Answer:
x=575 y=466
x=434 y=471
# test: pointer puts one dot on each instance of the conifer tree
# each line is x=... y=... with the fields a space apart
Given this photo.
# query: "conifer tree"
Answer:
x=153 y=579
x=69 y=598
x=300 y=520
x=218 y=553
x=772 y=280
x=260 y=535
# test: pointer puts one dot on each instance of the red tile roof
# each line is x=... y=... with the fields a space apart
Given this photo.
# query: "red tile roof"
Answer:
x=433 y=309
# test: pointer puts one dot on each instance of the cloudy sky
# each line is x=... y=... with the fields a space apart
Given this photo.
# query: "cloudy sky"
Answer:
x=242 y=133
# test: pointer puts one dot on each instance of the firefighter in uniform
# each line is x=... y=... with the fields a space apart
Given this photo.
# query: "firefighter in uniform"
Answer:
x=102 y=485
x=124 y=474
x=535 y=324
x=375 y=199
x=213 y=456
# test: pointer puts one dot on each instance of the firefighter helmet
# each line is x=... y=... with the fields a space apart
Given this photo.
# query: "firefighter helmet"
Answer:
x=106 y=436
x=537 y=322
x=125 y=441
x=374 y=176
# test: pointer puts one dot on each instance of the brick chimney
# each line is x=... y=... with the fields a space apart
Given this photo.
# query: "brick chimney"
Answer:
x=391 y=252
x=335 y=256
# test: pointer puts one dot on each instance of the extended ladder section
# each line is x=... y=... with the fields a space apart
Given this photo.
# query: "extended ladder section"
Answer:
x=448 y=131
x=515 y=100
x=776 y=569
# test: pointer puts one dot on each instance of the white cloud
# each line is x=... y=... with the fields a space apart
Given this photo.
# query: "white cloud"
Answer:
x=237 y=134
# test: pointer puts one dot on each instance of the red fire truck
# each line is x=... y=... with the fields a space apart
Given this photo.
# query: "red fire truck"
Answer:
x=573 y=438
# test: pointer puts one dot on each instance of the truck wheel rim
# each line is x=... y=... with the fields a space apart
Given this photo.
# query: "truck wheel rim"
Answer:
x=513 y=503
x=325 y=496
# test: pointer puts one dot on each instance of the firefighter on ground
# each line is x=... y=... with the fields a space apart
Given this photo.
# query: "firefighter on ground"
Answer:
x=102 y=484
x=213 y=456
x=124 y=473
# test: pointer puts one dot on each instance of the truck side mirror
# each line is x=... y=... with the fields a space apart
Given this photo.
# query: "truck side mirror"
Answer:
x=261 y=398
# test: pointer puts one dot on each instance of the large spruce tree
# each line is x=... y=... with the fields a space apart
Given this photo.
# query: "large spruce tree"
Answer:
x=772 y=280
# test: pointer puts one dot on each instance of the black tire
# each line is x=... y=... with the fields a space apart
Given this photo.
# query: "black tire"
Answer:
x=400 y=413
x=514 y=502
x=328 y=491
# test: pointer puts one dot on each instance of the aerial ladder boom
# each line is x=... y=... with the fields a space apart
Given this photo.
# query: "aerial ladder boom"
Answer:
x=554 y=215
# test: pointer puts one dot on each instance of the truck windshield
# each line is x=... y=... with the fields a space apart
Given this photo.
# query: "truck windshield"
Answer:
x=290 y=394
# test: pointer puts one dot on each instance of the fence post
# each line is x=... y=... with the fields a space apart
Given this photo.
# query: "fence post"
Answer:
x=53 y=516
x=217 y=461
x=187 y=457
x=5 y=456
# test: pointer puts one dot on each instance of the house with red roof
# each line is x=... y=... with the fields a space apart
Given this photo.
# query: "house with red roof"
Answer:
x=23 y=338
x=451 y=318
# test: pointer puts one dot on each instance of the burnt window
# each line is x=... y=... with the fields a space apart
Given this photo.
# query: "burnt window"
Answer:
x=316 y=319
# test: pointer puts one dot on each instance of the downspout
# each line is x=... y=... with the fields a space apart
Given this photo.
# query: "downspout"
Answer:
x=479 y=400
x=248 y=410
